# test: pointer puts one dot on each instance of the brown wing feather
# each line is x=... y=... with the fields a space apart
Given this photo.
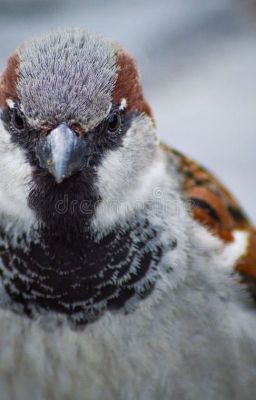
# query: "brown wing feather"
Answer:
x=214 y=207
x=211 y=203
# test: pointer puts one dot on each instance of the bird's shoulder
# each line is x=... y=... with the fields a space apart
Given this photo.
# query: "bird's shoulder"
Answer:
x=213 y=206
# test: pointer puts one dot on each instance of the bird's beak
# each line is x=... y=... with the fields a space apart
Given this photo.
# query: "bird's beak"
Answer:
x=61 y=152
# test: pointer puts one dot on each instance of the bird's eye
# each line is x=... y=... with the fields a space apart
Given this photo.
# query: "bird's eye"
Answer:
x=114 y=122
x=18 y=119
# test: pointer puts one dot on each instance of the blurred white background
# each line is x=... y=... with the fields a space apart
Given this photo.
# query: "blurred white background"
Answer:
x=197 y=60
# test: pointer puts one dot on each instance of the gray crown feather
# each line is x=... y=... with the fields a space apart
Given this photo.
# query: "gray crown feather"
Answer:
x=67 y=75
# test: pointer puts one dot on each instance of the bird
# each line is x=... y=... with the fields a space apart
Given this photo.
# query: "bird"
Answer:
x=127 y=270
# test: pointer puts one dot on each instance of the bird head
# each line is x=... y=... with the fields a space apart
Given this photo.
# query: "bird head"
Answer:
x=76 y=132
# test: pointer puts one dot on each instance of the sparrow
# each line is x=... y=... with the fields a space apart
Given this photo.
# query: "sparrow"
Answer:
x=127 y=270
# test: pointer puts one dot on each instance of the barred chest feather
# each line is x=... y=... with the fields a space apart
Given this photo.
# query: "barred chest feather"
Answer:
x=84 y=277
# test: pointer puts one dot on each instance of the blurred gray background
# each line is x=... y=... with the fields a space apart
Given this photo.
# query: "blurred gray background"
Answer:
x=198 y=64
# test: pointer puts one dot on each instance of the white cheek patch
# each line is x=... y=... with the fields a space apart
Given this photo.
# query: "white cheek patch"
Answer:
x=121 y=206
x=16 y=174
x=127 y=176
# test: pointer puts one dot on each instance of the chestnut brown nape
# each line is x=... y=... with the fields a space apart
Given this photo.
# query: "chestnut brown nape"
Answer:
x=128 y=85
x=8 y=80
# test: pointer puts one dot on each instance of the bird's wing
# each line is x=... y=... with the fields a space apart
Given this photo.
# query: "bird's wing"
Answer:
x=215 y=208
